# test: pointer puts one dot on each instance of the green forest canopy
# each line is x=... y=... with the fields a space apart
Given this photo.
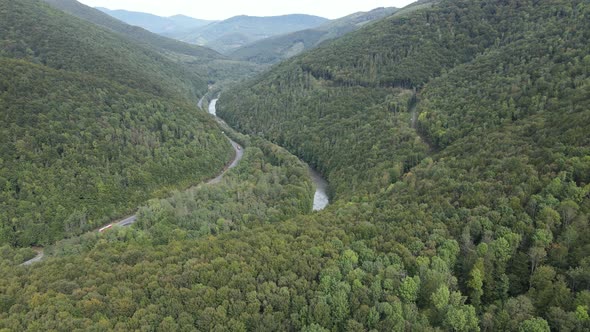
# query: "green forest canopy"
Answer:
x=466 y=121
x=455 y=142
x=91 y=125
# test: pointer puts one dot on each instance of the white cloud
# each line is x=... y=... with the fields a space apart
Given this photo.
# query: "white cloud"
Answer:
x=222 y=9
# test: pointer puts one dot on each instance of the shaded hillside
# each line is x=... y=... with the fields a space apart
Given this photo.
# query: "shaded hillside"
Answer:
x=91 y=125
x=237 y=31
x=274 y=49
x=132 y=32
x=37 y=36
x=353 y=85
x=201 y=61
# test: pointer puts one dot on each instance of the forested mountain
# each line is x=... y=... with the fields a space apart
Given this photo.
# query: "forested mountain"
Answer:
x=37 y=35
x=227 y=35
x=91 y=125
x=154 y=23
x=455 y=139
x=464 y=120
x=132 y=32
x=204 y=62
x=223 y=36
x=274 y=49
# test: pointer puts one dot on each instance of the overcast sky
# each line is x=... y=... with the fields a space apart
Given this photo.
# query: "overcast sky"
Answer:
x=222 y=9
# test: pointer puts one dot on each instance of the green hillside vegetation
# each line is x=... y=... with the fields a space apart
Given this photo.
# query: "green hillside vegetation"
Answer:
x=227 y=35
x=419 y=4
x=455 y=140
x=331 y=106
x=32 y=31
x=275 y=49
x=335 y=137
x=208 y=65
x=78 y=151
x=134 y=33
x=91 y=126
x=269 y=185
x=501 y=111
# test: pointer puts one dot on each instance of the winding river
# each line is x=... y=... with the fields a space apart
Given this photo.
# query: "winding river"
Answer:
x=320 y=198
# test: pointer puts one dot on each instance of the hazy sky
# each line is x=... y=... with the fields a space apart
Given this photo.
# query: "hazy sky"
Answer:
x=222 y=9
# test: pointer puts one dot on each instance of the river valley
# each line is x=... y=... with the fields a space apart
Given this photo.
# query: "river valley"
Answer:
x=320 y=199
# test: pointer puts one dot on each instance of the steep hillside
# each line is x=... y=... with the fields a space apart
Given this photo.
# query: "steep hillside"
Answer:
x=154 y=23
x=131 y=32
x=37 y=36
x=466 y=118
x=91 y=125
x=203 y=62
x=274 y=49
x=234 y=32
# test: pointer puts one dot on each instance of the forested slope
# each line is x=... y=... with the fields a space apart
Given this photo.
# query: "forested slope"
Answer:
x=91 y=125
x=275 y=49
x=455 y=138
x=369 y=74
x=500 y=109
x=269 y=185
x=207 y=65
x=33 y=31
x=132 y=32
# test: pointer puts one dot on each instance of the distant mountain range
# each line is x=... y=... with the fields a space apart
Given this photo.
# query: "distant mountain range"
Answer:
x=200 y=60
x=238 y=31
x=222 y=36
x=275 y=49
x=157 y=24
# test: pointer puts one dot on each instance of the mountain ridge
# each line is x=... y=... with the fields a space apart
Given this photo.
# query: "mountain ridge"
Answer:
x=136 y=34
x=154 y=23
x=244 y=29
x=201 y=61
x=274 y=49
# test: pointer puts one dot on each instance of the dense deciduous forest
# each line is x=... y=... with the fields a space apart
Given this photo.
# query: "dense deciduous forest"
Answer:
x=91 y=126
x=455 y=139
x=269 y=185
x=494 y=97
x=77 y=152
x=33 y=31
